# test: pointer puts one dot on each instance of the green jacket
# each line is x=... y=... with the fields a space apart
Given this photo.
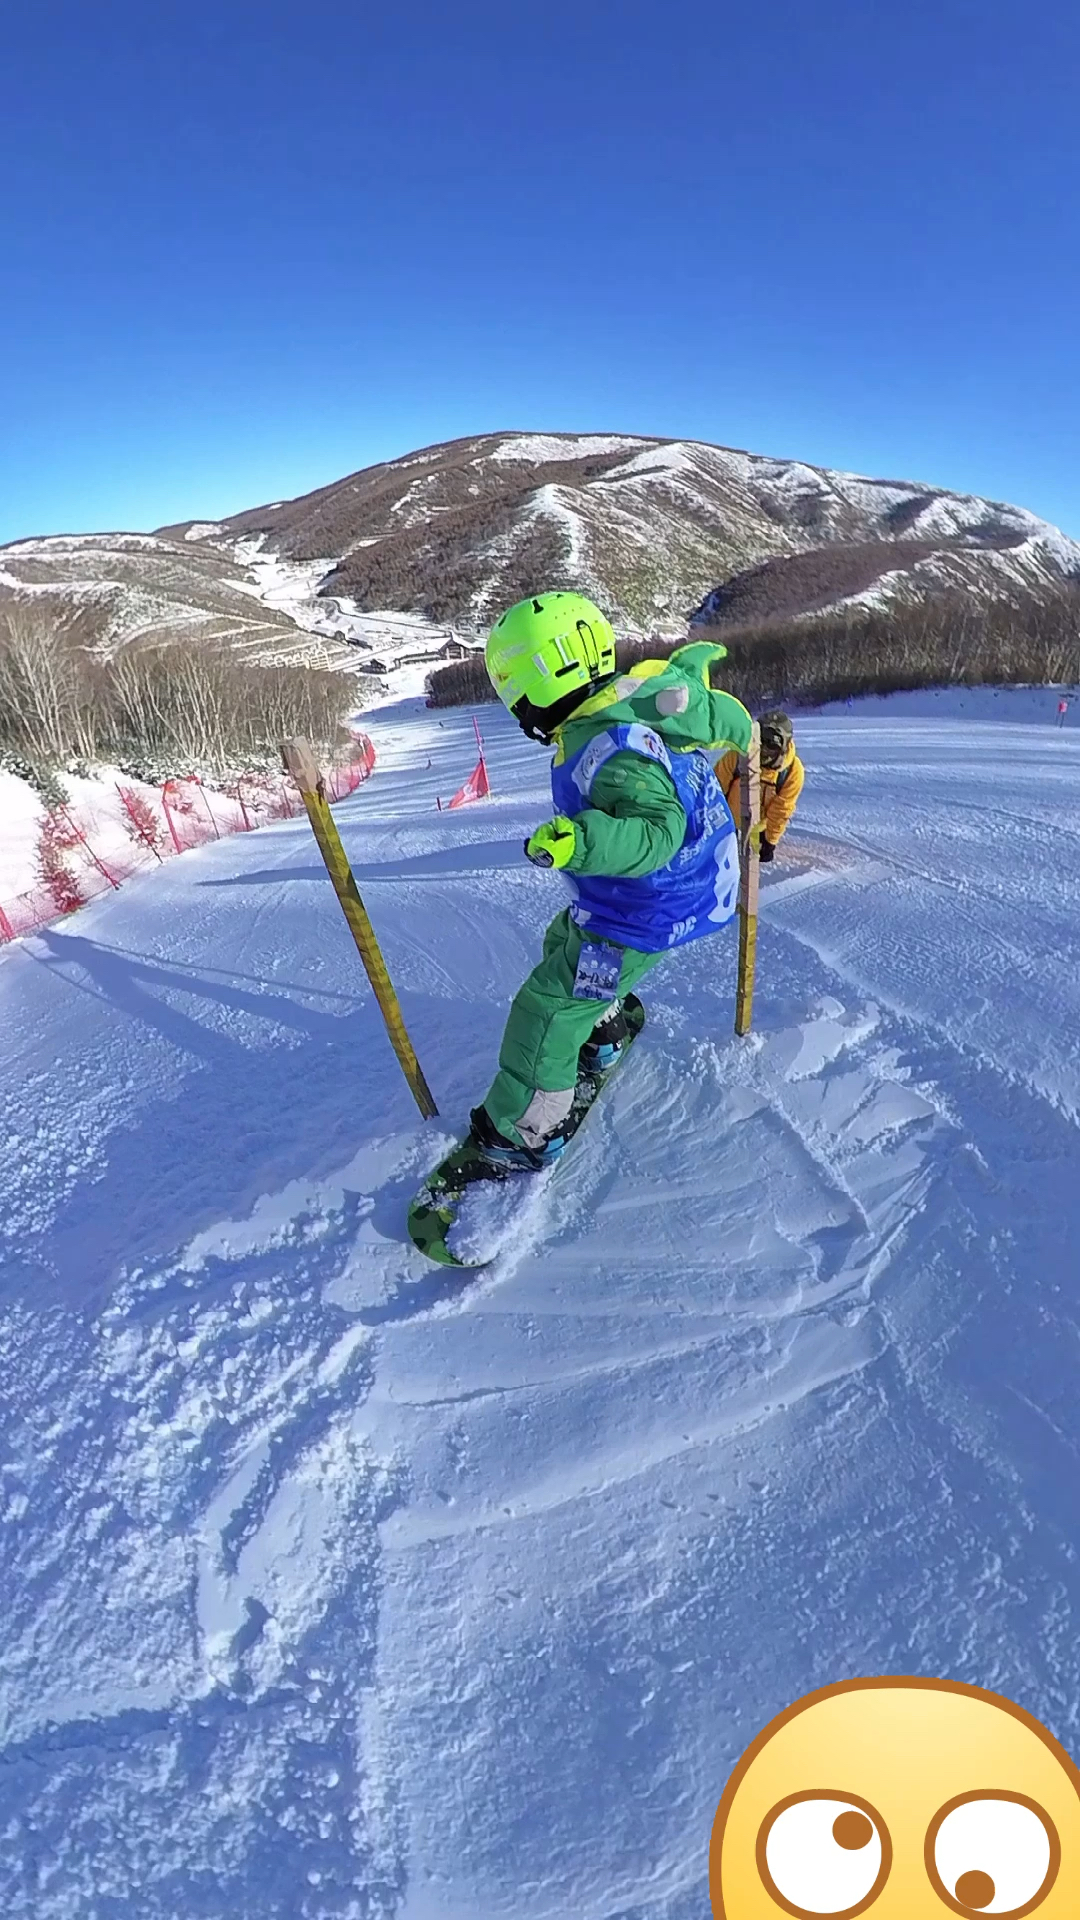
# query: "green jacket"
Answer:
x=634 y=823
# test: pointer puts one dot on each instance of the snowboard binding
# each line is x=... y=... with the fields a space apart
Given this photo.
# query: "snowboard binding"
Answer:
x=486 y=1155
x=503 y=1154
x=606 y=1042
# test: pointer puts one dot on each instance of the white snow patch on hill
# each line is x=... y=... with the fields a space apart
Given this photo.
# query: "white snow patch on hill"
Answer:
x=291 y=587
x=541 y=447
x=31 y=588
x=287 y=585
x=550 y=502
x=56 y=545
x=676 y=459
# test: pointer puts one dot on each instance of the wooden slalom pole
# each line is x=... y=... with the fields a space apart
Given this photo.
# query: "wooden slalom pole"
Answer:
x=749 y=868
x=300 y=762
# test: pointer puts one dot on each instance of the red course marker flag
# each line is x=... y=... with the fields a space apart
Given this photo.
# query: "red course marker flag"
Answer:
x=477 y=786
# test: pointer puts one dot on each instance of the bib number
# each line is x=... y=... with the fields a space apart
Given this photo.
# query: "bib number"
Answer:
x=598 y=969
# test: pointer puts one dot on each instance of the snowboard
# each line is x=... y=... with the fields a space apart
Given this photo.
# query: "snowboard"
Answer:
x=435 y=1208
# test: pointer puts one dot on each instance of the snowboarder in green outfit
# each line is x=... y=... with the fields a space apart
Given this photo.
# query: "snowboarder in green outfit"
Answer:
x=641 y=832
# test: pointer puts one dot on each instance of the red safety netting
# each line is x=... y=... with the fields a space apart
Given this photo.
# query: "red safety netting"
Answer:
x=84 y=852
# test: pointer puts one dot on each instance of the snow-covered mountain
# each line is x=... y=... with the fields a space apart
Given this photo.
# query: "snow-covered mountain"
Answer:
x=399 y=562
x=330 y=1589
x=650 y=526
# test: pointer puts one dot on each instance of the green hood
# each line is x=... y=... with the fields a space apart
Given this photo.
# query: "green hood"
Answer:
x=673 y=697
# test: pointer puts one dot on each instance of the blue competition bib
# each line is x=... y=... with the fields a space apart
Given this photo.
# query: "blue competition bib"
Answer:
x=696 y=892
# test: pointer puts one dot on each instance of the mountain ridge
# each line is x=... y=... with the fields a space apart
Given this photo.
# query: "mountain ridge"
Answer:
x=654 y=525
x=406 y=555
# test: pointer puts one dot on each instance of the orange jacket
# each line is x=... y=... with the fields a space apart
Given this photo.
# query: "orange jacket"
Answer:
x=776 y=808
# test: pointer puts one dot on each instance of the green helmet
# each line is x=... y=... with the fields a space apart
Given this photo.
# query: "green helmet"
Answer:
x=546 y=655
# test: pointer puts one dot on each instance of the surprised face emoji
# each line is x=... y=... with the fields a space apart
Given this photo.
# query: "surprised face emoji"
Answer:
x=903 y=1800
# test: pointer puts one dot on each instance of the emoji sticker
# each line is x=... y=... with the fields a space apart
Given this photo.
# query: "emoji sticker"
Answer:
x=901 y=1799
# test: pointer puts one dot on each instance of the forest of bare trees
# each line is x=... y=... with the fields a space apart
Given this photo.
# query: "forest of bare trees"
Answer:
x=155 y=709
x=951 y=640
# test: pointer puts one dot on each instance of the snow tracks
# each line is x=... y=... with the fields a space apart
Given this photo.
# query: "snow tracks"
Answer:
x=335 y=1586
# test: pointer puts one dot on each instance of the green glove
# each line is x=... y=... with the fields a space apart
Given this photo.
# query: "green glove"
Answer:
x=553 y=844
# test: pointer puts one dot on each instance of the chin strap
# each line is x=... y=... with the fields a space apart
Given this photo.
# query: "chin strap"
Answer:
x=543 y=723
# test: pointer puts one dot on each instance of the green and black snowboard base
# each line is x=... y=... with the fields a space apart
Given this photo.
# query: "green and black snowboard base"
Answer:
x=434 y=1211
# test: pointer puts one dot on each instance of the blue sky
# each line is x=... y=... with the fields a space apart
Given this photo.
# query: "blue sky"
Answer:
x=248 y=248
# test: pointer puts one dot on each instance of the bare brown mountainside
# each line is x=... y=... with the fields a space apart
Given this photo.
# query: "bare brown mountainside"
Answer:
x=808 y=582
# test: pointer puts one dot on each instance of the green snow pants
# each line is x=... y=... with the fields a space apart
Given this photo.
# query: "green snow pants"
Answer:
x=545 y=1032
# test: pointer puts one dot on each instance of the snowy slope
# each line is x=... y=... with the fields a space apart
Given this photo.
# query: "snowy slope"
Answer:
x=330 y=1592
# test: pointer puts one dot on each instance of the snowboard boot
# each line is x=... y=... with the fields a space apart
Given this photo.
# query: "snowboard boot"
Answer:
x=498 y=1151
x=605 y=1043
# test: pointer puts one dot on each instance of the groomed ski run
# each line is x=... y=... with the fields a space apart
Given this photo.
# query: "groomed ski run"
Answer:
x=333 y=1587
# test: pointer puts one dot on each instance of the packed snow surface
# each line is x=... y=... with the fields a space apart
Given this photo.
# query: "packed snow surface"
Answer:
x=334 y=1586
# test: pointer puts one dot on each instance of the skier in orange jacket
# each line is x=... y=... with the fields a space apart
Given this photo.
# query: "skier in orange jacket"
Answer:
x=782 y=776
